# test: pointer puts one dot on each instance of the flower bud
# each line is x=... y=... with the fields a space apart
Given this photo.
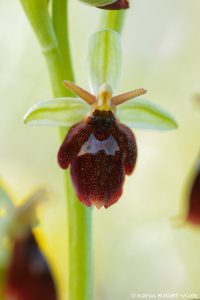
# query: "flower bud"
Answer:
x=119 y=4
x=108 y=4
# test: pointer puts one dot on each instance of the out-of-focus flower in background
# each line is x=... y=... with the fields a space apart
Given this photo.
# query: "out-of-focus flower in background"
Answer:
x=161 y=52
x=108 y=4
x=28 y=276
x=194 y=198
x=24 y=272
x=101 y=134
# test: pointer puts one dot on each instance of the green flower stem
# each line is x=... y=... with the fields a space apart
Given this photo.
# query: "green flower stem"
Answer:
x=52 y=34
x=38 y=15
x=113 y=20
x=52 y=38
x=60 y=23
x=80 y=250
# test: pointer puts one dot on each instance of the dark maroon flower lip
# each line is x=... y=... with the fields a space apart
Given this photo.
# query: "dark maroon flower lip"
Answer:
x=194 y=200
x=28 y=276
x=100 y=152
x=120 y=4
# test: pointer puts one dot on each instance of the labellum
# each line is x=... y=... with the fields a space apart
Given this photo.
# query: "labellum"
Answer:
x=119 y=4
x=194 y=200
x=99 y=149
x=28 y=275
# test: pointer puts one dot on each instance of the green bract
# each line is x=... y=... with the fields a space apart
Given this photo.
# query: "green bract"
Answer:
x=104 y=59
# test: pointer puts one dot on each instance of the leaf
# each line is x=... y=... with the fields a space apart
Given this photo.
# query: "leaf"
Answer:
x=98 y=2
x=141 y=113
x=104 y=59
x=56 y=112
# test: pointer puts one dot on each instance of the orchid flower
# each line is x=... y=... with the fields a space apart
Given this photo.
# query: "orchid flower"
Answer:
x=24 y=272
x=100 y=148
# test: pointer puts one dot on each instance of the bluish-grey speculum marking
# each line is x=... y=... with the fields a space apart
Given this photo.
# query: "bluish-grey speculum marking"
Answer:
x=93 y=146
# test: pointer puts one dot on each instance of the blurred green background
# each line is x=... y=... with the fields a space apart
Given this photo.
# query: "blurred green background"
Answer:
x=137 y=247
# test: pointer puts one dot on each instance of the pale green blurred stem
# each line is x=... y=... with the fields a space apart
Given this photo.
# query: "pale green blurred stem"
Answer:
x=60 y=23
x=53 y=38
x=38 y=15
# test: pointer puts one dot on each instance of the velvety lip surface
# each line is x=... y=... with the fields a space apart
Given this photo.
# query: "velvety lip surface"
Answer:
x=100 y=152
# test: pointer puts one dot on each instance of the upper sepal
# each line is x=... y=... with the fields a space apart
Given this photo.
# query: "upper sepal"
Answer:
x=56 y=112
x=104 y=59
x=141 y=113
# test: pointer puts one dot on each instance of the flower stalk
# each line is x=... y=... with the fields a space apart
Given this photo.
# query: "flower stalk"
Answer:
x=113 y=20
x=52 y=34
x=53 y=38
x=104 y=67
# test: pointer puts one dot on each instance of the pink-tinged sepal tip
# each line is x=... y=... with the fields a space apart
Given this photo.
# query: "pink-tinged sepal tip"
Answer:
x=100 y=152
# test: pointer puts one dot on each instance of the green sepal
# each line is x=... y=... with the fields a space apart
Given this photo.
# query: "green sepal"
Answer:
x=141 y=113
x=57 y=112
x=104 y=59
